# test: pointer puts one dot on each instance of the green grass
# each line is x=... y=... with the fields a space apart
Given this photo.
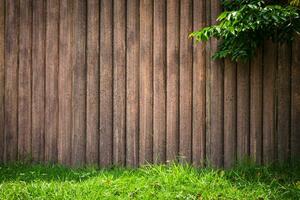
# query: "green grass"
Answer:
x=24 y=181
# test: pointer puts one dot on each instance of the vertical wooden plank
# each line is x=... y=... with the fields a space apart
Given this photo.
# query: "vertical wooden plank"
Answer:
x=243 y=110
x=11 y=80
x=119 y=81
x=146 y=79
x=79 y=83
x=284 y=100
x=172 y=79
x=270 y=56
x=65 y=83
x=38 y=79
x=51 y=107
x=217 y=90
x=230 y=113
x=92 y=124
x=2 y=68
x=106 y=72
x=24 y=101
x=199 y=87
x=185 y=82
x=132 y=83
x=256 y=106
x=159 y=81
x=295 y=107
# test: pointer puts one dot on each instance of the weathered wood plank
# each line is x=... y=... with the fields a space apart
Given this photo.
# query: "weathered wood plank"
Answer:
x=146 y=79
x=172 y=80
x=295 y=103
x=243 y=110
x=38 y=79
x=270 y=65
x=2 y=78
x=256 y=107
x=217 y=91
x=283 y=101
x=119 y=64
x=185 y=82
x=159 y=82
x=92 y=123
x=11 y=80
x=51 y=107
x=230 y=113
x=106 y=83
x=199 y=87
x=79 y=83
x=132 y=83
x=65 y=83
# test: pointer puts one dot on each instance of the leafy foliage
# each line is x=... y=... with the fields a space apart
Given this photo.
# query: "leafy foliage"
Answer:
x=245 y=24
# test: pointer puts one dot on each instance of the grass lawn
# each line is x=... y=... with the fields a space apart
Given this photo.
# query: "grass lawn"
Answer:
x=24 y=181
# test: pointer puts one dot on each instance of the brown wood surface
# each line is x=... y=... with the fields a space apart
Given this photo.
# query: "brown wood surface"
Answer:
x=119 y=84
x=106 y=83
x=11 y=80
x=295 y=101
x=199 y=87
x=65 y=82
x=270 y=65
x=230 y=113
x=283 y=101
x=256 y=106
x=216 y=101
x=51 y=87
x=172 y=80
x=146 y=79
x=38 y=79
x=2 y=80
x=92 y=112
x=185 y=82
x=159 y=82
x=132 y=83
x=243 y=110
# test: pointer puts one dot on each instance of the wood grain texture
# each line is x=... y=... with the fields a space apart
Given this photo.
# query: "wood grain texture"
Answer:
x=270 y=65
x=119 y=84
x=216 y=101
x=159 y=82
x=38 y=79
x=2 y=78
x=146 y=80
x=132 y=83
x=256 y=106
x=295 y=101
x=92 y=112
x=51 y=107
x=172 y=39
x=230 y=113
x=199 y=87
x=11 y=80
x=106 y=84
x=243 y=110
x=79 y=83
x=185 y=82
x=283 y=101
x=65 y=82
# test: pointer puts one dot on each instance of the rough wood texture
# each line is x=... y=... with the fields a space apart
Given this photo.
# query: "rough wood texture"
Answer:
x=172 y=79
x=159 y=82
x=119 y=65
x=102 y=82
x=230 y=113
x=92 y=107
x=65 y=82
x=106 y=84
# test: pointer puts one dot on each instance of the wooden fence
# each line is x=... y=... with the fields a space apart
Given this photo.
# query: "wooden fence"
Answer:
x=119 y=82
